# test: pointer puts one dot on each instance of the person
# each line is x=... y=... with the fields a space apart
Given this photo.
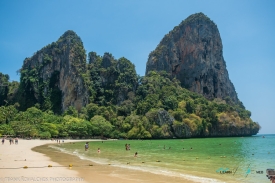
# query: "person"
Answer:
x=98 y=150
x=3 y=140
x=16 y=140
x=136 y=154
x=86 y=146
x=126 y=147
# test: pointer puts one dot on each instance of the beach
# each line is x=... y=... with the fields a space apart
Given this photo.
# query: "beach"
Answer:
x=64 y=167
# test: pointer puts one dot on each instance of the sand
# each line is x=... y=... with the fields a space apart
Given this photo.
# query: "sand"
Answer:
x=14 y=157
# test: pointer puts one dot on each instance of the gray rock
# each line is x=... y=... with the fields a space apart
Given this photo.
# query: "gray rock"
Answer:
x=59 y=65
x=192 y=52
x=182 y=131
x=164 y=118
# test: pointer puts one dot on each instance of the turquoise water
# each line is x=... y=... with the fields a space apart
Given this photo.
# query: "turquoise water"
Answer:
x=245 y=159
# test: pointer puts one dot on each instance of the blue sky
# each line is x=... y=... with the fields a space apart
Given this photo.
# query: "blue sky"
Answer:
x=133 y=28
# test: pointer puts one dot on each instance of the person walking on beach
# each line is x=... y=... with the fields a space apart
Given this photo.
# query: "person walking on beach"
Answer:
x=3 y=140
x=86 y=146
x=16 y=140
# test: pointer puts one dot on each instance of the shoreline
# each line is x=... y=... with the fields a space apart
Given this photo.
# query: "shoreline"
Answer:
x=37 y=156
x=107 y=173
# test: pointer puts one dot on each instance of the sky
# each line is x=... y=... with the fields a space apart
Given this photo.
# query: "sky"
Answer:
x=133 y=28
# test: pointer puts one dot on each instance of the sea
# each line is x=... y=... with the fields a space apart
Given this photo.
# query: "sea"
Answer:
x=227 y=159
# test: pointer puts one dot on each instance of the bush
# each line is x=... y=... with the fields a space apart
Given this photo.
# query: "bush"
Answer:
x=45 y=135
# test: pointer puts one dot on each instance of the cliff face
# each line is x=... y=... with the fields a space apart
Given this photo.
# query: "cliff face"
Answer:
x=52 y=76
x=192 y=52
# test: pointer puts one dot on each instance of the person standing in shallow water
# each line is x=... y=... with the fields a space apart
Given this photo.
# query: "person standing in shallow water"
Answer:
x=127 y=147
x=86 y=146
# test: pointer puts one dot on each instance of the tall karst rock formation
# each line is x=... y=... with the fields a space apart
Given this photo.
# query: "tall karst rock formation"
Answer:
x=192 y=52
x=52 y=77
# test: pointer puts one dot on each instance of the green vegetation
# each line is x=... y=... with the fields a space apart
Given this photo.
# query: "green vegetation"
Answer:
x=137 y=116
x=4 y=81
x=8 y=90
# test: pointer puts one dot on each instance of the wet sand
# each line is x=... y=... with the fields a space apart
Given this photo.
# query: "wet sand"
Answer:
x=12 y=161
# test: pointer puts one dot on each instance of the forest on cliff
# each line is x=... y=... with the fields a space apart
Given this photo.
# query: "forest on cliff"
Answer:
x=159 y=108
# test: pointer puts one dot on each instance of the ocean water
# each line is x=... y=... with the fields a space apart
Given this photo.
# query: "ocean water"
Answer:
x=231 y=159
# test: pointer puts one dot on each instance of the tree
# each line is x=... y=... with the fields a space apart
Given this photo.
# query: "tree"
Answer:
x=6 y=130
x=92 y=110
x=76 y=127
x=49 y=127
x=100 y=126
x=71 y=111
x=23 y=128
x=170 y=102
x=190 y=106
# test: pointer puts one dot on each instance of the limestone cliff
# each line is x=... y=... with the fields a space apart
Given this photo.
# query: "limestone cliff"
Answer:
x=52 y=76
x=193 y=53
